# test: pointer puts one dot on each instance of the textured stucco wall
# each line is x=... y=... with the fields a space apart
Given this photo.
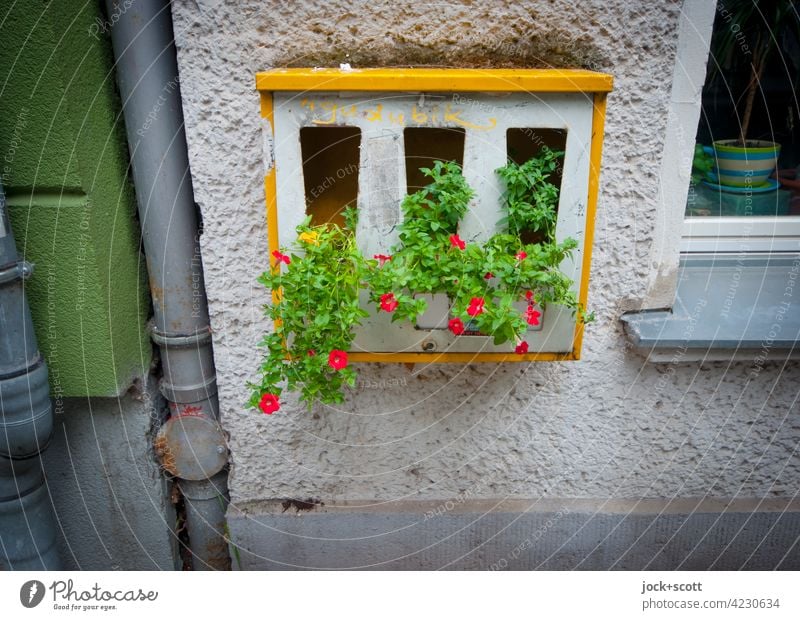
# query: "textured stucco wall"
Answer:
x=64 y=168
x=109 y=495
x=608 y=426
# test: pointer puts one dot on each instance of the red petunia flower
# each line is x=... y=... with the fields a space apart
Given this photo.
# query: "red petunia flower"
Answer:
x=532 y=316
x=383 y=258
x=457 y=242
x=522 y=348
x=337 y=359
x=311 y=353
x=529 y=297
x=269 y=404
x=475 y=306
x=521 y=256
x=281 y=258
x=489 y=275
x=456 y=326
x=388 y=302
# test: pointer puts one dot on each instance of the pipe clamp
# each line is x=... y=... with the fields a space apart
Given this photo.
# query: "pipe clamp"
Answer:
x=201 y=337
x=21 y=271
x=189 y=393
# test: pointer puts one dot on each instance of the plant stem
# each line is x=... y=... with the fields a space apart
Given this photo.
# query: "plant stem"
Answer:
x=755 y=81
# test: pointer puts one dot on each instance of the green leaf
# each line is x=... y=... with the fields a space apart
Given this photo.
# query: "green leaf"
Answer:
x=320 y=310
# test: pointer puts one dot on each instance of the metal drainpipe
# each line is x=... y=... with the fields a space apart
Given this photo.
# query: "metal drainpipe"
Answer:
x=27 y=522
x=191 y=444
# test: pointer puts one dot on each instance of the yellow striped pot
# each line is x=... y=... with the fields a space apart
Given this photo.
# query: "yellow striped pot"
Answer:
x=744 y=166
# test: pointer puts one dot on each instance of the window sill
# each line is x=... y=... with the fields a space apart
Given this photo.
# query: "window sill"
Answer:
x=726 y=308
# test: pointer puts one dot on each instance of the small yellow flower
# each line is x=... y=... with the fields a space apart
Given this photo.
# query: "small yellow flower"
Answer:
x=309 y=237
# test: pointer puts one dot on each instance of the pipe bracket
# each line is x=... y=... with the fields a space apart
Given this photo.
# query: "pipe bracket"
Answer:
x=183 y=394
x=21 y=271
x=199 y=338
x=26 y=419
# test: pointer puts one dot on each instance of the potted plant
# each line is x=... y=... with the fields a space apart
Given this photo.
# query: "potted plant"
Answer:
x=755 y=28
x=317 y=285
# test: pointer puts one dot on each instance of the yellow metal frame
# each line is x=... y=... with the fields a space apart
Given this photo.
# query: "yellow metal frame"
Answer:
x=436 y=80
x=449 y=80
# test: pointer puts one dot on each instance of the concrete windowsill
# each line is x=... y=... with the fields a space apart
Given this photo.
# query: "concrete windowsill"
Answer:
x=726 y=307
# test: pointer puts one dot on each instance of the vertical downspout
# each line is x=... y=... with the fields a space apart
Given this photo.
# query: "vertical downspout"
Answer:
x=191 y=444
x=27 y=522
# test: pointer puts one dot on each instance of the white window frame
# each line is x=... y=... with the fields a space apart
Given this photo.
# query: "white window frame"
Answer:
x=741 y=234
x=675 y=236
x=714 y=243
x=729 y=234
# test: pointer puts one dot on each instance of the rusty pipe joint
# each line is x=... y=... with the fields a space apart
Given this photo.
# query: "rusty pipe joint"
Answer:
x=191 y=444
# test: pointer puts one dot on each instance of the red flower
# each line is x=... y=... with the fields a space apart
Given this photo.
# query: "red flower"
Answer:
x=532 y=316
x=521 y=256
x=383 y=258
x=529 y=297
x=522 y=348
x=475 y=306
x=489 y=275
x=269 y=404
x=457 y=242
x=311 y=353
x=337 y=359
x=388 y=302
x=456 y=326
x=281 y=258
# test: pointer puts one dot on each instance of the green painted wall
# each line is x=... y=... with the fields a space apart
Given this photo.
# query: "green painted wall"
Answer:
x=63 y=160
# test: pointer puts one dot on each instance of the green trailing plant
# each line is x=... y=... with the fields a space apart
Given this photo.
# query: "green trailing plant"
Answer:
x=317 y=307
x=530 y=198
x=483 y=281
x=315 y=312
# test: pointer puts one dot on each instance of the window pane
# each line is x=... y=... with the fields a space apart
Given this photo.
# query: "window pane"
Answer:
x=758 y=110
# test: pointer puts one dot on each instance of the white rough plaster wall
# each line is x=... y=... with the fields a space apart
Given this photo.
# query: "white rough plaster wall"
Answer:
x=608 y=426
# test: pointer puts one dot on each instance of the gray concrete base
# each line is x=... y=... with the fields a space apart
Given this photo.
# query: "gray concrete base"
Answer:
x=520 y=535
x=109 y=496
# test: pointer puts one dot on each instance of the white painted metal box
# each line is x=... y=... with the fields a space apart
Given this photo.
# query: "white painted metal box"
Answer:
x=336 y=137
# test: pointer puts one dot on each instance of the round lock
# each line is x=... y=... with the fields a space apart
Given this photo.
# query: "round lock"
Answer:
x=428 y=345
